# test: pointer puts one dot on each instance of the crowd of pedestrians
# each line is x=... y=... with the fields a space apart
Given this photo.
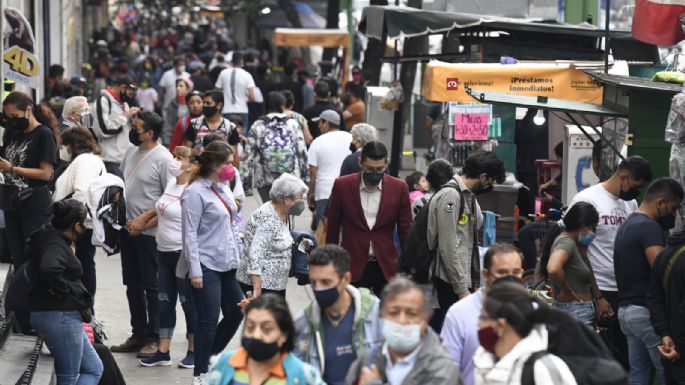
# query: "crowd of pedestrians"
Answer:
x=153 y=156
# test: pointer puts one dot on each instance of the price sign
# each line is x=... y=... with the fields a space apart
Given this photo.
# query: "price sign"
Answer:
x=471 y=126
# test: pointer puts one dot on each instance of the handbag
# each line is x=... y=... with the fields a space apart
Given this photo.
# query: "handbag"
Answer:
x=12 y=197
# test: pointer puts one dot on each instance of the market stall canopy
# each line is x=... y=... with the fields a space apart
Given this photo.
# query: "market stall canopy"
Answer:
x=409 y=22
x=300 y=37
x=447 y=82
x=277 y=18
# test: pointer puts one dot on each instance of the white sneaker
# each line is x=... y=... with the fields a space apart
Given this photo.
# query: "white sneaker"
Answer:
x=197 y=380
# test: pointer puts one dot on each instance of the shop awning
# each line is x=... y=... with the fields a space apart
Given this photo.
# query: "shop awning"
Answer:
x=409 y=22
x=301 y=37
x=447 y=82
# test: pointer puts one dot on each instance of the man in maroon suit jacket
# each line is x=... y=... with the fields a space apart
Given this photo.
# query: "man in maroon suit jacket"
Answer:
x=364 y=210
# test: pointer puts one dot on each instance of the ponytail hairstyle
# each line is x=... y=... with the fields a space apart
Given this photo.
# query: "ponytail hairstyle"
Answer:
x=67 y=213
x=511 y=301
x=213 y=156
x=580 y=215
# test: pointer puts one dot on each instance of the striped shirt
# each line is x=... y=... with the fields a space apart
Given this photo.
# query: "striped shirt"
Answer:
x=241 y=376
x=209 y=233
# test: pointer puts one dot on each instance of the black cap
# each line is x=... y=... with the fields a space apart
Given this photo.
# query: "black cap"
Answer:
x=125 y=81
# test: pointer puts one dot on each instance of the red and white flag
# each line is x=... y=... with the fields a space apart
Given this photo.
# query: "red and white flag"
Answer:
x=658 y=21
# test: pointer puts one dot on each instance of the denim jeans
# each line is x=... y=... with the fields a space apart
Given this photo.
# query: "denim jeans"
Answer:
x=642 y=345
x=321 y=206
x=139 y=270
x=582 y=311
x=170 y=288
x=76 y=361
x=220 y=291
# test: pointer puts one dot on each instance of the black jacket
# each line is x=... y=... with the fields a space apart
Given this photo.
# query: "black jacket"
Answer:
x=55 y=273
x=667 y=307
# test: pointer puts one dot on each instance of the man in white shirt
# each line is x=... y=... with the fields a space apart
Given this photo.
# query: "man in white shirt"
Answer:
x=238 y=87
x=167 y=84
x=614 y=201
x=326 y=155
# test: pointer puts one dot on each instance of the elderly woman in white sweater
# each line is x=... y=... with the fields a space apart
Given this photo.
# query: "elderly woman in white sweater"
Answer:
x=80 y=149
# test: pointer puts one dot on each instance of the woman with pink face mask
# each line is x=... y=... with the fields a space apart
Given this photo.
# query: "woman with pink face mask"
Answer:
x=169 y=224
x=211 y=248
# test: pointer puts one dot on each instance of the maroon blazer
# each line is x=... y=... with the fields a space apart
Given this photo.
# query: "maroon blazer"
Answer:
x=346 y=219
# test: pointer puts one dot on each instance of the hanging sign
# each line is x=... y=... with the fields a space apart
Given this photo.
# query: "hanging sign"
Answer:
x=471 y=122
x=19 y=62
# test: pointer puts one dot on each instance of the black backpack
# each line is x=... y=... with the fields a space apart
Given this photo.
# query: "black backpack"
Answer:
x=416 y=259
x=581 y=348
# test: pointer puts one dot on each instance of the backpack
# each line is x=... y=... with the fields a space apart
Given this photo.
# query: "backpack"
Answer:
x=581 y=348
x=278 y=147
x=416 y=258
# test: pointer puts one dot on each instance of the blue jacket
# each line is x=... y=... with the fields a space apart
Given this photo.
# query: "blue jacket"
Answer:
x=296 y=371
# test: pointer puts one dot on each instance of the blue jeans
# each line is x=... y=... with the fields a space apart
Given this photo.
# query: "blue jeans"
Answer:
x=321 y=206
x=139 y=270
x=220 y=291
x=582 y=311
x=642 y=345
x=170 y=288
x=76 y=361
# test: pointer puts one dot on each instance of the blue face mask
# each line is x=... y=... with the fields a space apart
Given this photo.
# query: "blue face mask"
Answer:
x=587 y=238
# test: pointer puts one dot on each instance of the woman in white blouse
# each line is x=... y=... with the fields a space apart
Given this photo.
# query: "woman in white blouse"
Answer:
x=79 y=148
x=267 y=251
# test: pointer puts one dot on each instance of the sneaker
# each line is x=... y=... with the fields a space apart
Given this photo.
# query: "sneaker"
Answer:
x=148 y=350
x=188 y=362
x=158 y=359
x=132 y=344
x=197 y=380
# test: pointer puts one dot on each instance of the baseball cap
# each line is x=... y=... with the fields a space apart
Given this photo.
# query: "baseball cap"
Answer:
x=329 y=116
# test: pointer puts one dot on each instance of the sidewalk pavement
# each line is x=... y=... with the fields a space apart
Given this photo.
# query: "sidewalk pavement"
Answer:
x=111 y=308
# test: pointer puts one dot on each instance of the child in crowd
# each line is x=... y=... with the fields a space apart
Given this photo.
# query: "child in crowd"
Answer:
x=418 y=186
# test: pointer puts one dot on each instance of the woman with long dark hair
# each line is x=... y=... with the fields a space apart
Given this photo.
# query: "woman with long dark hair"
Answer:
x=564 y=264
x=27 y=161
x=212 y=250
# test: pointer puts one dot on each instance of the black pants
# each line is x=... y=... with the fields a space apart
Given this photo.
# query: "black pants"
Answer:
x=113 y=168
x=615 y=337
x=139 y=270
x=674 y=371
x=34 y=213
x=85 y=252
x=446 y=298
x=372 y=278
x=264 y=193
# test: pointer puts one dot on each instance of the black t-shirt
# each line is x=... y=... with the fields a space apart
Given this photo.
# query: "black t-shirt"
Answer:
x=201 y=83
x=314 y=112
x=637 y=233
x=28 y=150
x=296 y=88
x=198 y=129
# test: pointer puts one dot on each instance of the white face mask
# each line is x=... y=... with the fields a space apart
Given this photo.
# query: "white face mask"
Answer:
x=175 y=168
x=400 y=337
x=64 y=154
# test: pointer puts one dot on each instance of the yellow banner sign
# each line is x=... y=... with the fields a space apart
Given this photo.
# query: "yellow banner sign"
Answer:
x=446 y=82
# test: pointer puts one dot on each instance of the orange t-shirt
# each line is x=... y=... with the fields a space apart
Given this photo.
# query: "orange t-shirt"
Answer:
x=358 y=111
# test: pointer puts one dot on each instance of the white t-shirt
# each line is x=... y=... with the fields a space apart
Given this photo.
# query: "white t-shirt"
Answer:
x=168 y=209
x=612 y=212
x=147 y=98
x=168 y=81
x=327 y=152
x=243 y=81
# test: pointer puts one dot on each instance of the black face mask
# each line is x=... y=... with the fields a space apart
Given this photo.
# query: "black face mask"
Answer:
x=209 y=110
x=134 y=138
x=80 y=234
x=629 y=195
x=667 y=221
x=124 y=98
x=373 y=178
x=484 y=189
x=353 y=148
x=17 y=123
x=259 y=350
x=327 y=297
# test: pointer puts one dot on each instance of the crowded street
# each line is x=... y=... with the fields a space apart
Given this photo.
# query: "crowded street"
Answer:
x=357 y=192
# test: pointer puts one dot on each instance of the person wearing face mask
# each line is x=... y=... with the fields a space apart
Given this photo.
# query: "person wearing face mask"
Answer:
x=168 y=238
x=511 y=329
x=365 y=228
x=111 y=123
x=210 y=122
x=212 y=252
x=638 y=242
x=460 y=329
x=362 y=134
x=145 y=178
x=27 y=161
x=83 y=154
x=75 y=112
x=194 y=102
x=573 y=284
x=265 y=354
x=267 y=242
x=412 y=353
x=57 y=299
x=341 y=323
x=452 y=235
x=614 y=200
x=167 y=84
x=176 y=109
